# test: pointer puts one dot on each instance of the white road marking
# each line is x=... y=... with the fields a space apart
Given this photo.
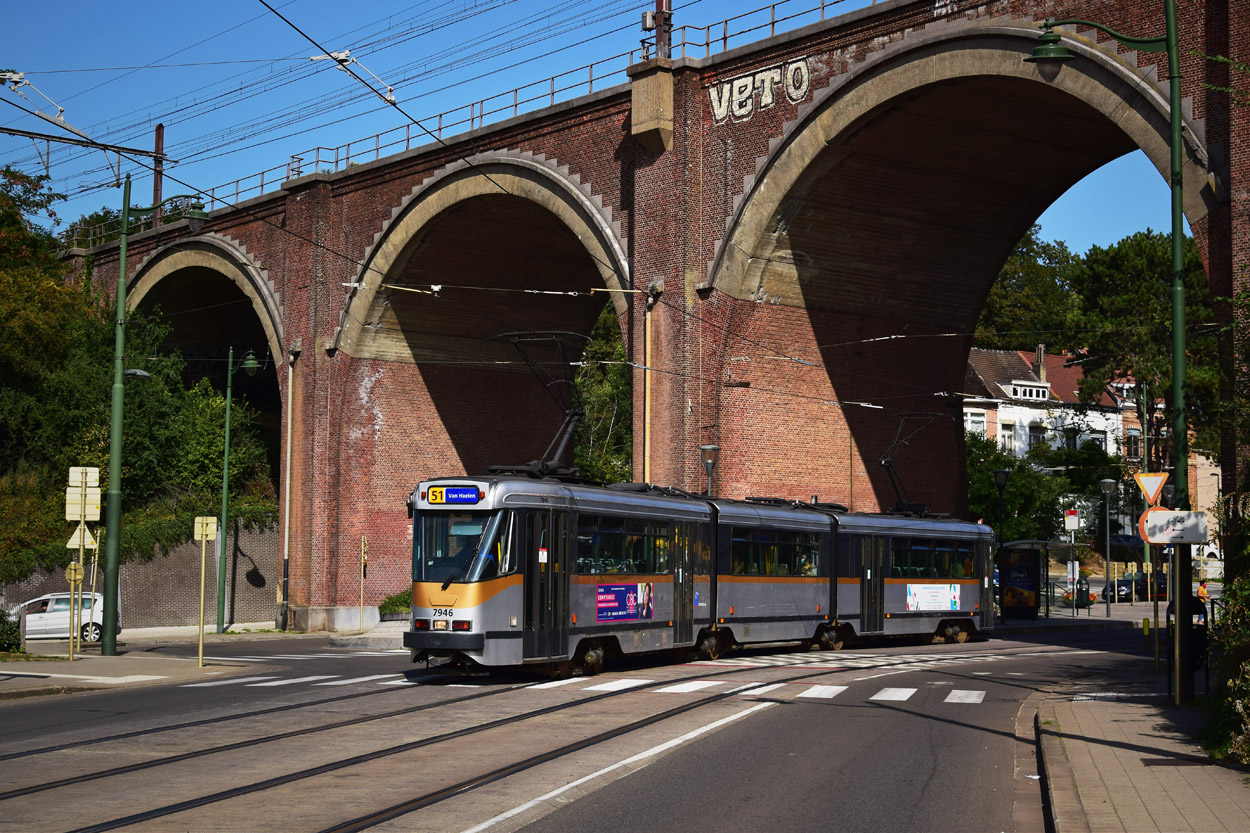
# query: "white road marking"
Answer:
x=895 y=694
x=556 y=683
x=242 y=659
x=982 y=673
x=641 y=756
x=825 y=692
x=404 y=681
x=618 y=685
x=232 y=681
x=958 y=696
x=359 y=679
x=293 y=681
x=686 y=688
x=763 y=689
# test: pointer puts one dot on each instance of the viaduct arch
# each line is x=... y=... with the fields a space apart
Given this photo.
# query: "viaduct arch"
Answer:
x=784 y=251
x=946 y=139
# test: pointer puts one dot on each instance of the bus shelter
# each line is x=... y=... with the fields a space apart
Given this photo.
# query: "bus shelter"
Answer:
x=1023 y=570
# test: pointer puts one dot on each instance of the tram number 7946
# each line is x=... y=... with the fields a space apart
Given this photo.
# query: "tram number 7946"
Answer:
x=443 y=611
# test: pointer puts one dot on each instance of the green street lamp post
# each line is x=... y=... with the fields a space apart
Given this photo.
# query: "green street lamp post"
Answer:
x=1049 y=55
x=1108 y=486
x=250 y=365
x=113 y=511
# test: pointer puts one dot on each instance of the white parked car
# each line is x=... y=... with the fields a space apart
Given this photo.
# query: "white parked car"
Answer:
x=47 y=617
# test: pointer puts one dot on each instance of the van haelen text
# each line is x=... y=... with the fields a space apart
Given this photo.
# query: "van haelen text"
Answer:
x=739 y=97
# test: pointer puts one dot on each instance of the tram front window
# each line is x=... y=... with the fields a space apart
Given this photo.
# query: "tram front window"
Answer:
x=462 y=546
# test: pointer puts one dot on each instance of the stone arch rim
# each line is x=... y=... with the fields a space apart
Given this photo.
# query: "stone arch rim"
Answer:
x=431 y=196
x=762 y=193
x=224 y=256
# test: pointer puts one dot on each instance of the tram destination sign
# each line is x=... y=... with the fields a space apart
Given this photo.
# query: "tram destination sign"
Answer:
x=454 y=494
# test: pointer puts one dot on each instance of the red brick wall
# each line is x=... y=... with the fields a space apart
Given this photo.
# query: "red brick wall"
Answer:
x=366 y=431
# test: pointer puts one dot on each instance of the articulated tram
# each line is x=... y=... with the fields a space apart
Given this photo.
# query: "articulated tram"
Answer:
x=510 y=570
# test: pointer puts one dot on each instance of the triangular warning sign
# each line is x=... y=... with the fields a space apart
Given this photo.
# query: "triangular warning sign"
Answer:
x=81 y=537
x=1151 y=485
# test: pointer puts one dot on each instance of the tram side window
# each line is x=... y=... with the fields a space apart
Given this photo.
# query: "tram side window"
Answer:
x=607 y=544
x=774 y=552
x=923 y=558
x=849 y=555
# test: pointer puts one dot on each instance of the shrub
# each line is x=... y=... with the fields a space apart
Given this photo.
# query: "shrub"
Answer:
x=399 y=603
x=10 y=636
x=1228 y=727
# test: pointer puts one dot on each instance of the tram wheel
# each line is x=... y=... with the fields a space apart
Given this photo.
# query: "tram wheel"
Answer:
x=592 y=661
x=560 y=670
x=710 y=645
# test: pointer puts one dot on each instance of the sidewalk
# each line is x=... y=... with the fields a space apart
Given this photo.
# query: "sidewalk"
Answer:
x=49 y=671
x=1118 y=758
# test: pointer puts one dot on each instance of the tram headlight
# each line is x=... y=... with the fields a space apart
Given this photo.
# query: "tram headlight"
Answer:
x=441 y=625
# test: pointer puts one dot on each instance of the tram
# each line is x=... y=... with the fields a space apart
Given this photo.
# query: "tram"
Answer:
x=511 y=570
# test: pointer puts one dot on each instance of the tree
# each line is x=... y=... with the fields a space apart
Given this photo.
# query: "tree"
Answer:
x=1031 y=302
x=23 y=243
x=603 y=440
x=1126 y=306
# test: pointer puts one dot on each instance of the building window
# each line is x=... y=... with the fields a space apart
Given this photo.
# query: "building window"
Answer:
x=1037 y=436
x=974 y=422
x=1132 y=444
x=1099 y=438
x=1007 y=433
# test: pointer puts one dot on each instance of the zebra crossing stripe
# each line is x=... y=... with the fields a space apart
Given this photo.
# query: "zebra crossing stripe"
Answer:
x=893 y=694
x=824 y=692
x=764 y=689
x=686 y=688
x=556 y=683
x=360 y=679
x=618 y=685
x=231 y=681
x=958 y=696
x=293 y=681
x=404 y=681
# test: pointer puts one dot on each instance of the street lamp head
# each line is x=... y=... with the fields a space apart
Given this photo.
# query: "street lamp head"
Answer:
x=136 y=373
x=1107 y=485
x=250 y=364
x=196 y=217
x=1049 y=54
x=709 y=454
x=1000 y=478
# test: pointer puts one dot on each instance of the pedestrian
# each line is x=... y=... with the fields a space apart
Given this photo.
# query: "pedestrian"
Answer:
x=1202 y=598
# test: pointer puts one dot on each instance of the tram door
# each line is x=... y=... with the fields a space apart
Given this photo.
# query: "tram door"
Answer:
x=546 y=584
x=872 y=584
x=683 y=584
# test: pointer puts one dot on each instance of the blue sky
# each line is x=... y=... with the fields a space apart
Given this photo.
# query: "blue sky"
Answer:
x=237 y=94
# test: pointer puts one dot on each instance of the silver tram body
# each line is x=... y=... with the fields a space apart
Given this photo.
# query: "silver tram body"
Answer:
x=514 y=570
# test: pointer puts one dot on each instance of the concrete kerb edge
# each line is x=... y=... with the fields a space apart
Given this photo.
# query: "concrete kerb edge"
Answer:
x=1065 y=813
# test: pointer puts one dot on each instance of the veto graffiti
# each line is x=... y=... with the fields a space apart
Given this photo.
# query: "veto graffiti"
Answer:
x=739 y=98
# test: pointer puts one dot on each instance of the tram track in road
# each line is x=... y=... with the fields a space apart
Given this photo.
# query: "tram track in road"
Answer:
x=465 y=785
x=830 y=664
x=436 y=796
x=190 y=724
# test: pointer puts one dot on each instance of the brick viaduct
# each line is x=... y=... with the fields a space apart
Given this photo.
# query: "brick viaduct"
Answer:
x=811 y=216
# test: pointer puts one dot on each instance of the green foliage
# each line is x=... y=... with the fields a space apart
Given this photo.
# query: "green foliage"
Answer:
x=22 y=242
x=1034 y=499
x=55 y=404
x=1228 y=724
x=1126 y=296
x=603 y=441
x=10 y=633
x=1031 y=303
x=399 y=603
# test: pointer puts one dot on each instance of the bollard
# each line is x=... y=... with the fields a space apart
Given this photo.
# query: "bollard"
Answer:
x=1145 y=629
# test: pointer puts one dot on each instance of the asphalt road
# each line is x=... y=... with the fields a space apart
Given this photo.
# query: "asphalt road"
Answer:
x=885 y=737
